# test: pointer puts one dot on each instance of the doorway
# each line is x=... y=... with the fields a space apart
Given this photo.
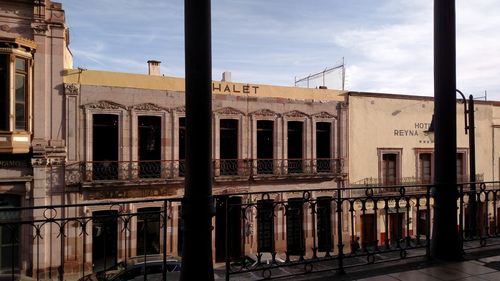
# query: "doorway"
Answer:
x=104 y=239
x=395 y=227
x=233 y=223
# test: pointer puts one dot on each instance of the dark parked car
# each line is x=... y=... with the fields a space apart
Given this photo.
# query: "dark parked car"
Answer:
x=137 y=269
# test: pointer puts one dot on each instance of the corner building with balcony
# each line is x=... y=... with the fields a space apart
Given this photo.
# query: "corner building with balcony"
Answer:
x=79 y=140
x=85 y=141
x=33 y=51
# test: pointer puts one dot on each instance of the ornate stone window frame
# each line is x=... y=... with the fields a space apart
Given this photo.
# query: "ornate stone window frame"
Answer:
x=150 y=109
x=235 y=114
x=399 y=168
x=418 y=171
x=296 y=115
x=112 y=108
x=324 y=117
x=269 y=115
x=178 y=112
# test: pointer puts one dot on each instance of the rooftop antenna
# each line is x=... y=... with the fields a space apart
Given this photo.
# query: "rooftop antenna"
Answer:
x=485 y=97
x=320 y=78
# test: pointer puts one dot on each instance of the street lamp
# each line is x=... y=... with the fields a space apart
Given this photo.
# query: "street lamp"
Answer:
x=469 y=126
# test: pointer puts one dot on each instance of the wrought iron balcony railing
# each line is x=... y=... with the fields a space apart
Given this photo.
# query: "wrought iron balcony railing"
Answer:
x=408 y=181
x=271 y=234
x=96 y=171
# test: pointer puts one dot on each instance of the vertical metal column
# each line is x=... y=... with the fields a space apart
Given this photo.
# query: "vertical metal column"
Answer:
x=472 y=169
x=197 y=209
x=445 y=243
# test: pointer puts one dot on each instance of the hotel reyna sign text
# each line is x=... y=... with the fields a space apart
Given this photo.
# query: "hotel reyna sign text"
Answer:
x=224 y=88
x=412 y=131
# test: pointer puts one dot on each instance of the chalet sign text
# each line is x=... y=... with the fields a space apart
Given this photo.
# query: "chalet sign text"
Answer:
x=234 y=88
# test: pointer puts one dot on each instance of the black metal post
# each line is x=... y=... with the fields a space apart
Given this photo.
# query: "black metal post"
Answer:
x=197 y=205
x=472 y=168
x=445 y=242
x=164 y=229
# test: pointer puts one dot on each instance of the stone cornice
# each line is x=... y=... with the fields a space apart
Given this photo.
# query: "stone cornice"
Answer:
x=229 y=111
x=324 y=115
x=104 y=105
x=296 y=114
x=148 y=107
x=265 y=113
x=180 y=109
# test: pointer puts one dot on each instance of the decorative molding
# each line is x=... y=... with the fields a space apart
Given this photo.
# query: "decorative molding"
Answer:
x=39 y=28
x=104 y=105
x=324 y=115
x=57 y=161
x=5 y=27
x=264 y=112
x=296 y=114
x=180 y=109
x=342 y=105
x=71 y=89
x=148 y=107
x=39 y=162
x=229 y=111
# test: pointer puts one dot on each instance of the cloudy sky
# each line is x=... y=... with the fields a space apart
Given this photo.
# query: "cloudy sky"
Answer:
x=386 y=44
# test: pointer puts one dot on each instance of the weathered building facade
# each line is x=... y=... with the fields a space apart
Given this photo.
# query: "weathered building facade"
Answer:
x=74 y=136
x=33 y=51
x=91 y=139
x=128 y=132
x=389 y=146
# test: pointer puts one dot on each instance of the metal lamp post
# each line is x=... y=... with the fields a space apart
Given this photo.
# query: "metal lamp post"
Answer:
x=470 y=128
x=469 y=125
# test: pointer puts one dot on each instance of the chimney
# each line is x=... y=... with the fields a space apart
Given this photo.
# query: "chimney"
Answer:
x=154 y=67
x=226 y=76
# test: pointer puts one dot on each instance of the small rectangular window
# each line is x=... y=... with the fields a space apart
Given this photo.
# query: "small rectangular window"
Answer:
x=461 y=177
x=182 y=146
x=20 y=65
x=389 y=169
x=425 y=167
x=20 y=102
x=20 y=95
x=4 y=93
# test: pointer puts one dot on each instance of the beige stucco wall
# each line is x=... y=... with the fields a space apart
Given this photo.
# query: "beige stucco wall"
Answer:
x=139 y=81
x=399 y=122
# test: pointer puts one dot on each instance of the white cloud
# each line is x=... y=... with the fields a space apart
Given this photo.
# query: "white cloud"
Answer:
x=387 y=44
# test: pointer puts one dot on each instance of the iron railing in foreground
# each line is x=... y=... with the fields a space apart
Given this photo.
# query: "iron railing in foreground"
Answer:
x=86 y=241
x=271 y=234
x=302 y=232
